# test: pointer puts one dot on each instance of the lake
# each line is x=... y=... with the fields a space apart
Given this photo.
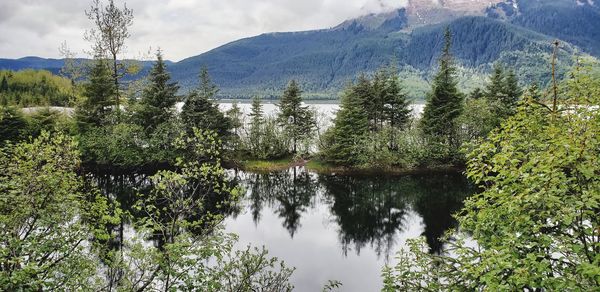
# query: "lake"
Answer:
x=328 y=226
x=341 y=227
x=332 y=226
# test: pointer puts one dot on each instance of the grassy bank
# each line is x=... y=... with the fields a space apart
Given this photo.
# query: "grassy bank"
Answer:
x=321 y=167
x=266 y=165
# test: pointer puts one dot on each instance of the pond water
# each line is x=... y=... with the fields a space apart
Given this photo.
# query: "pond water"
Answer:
x=328 y=226
x=340 y=227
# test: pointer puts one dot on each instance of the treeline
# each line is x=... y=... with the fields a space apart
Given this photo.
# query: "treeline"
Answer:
x=36 y=88
x=375 y=128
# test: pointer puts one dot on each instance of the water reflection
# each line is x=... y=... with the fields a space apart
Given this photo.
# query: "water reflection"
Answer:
x=290 y=193
x=369 y=211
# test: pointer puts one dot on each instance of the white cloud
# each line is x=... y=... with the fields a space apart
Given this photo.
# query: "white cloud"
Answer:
x=181 y=28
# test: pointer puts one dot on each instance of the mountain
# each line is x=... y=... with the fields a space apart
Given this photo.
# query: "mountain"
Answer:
x=518 y=33
x=573 y=21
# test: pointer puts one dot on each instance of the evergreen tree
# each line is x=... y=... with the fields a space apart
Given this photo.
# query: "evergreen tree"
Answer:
x=375 y=92
x=494 y=90
x=396 y=109
x=99 y=96
x=256 y=123
x=235 y=116
x=350 y=127
x=512 y=92
x=159 y=97
x=503 y=92
x=13 y=125
x=296 y=119
x=477 y=93
x=201 y=112
x=444 y=104
x=4 y=84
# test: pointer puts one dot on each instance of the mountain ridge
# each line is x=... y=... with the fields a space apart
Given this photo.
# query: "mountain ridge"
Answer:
x=324 y=60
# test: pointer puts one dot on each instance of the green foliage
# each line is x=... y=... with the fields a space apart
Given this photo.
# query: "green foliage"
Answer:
x=29 y=88
x=444 y=103
x=100 y=95
x=115 y=145
x=191 y=253
x=535 y=225
x=13 y=125
x=263 y=138
x=351 y=125
x=55 y=236
x=158 y=99
x=503 y=92
x=199 y=111
x=298 y=121
x=43 y=237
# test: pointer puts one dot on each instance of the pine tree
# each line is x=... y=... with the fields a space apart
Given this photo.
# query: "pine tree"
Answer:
x=396 y=109
x=201 y=112
x=99 y=96
x=159 y=97
x=296 y=119
x=4 y=84
x=503 y=92
x=477 y=93
x=350 y=127
x=256 y=124
x=375 y=92
x=512 y=93
x=494 y=91
x=235 y=116
x=444 y=104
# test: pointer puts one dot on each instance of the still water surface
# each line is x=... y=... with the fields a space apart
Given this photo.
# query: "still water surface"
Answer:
x=340 y=227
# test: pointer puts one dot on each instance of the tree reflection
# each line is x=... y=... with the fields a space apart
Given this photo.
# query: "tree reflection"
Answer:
x=437 y=198
x=289 y=193
x=368 y=211
x=371 y=210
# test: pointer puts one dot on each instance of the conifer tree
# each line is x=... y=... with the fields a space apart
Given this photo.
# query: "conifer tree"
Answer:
x=396 y=109
x=235 y=116
x=503 y=92
x=4 y=84
x=375 y=92
x=444 y=104
x=256 y=123
x=296 y=119
x=201 y=112
x=512 y=92
x=350 y=126
x=494 y=91
x=99 y=97
x=477 y=93
x=159 y=97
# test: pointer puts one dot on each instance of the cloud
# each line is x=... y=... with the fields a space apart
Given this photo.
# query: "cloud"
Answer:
x=181 y=28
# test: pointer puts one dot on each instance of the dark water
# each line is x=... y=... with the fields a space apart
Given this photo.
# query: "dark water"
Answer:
x=330 y=227
x=346 y=228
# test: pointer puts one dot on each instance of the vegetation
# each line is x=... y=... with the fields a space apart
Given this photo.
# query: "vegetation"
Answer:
x=108 y=36
x=29 y=88
x=444 y=104
x=53 y=234
x=298 y=121
x=199 y=111
x=535 y=225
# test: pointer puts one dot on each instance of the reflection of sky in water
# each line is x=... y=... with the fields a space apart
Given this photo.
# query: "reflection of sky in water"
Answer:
x=320 y=249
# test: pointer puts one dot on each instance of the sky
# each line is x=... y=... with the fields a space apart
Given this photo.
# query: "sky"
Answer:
x=180 y=28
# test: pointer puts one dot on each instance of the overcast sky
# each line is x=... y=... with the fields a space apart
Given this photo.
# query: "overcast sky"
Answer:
x=181 y=28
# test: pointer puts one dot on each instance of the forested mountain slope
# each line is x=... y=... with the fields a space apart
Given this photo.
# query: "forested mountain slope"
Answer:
x=518 y=33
